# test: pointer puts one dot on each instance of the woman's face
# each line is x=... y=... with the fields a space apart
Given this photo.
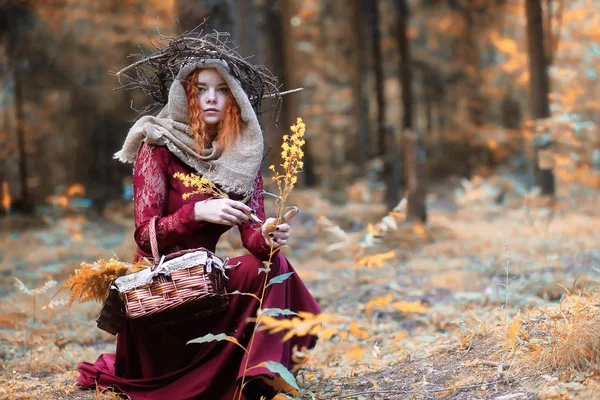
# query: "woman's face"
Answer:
x=213 y=93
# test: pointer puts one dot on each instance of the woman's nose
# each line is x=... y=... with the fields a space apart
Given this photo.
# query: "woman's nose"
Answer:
x=211 y=96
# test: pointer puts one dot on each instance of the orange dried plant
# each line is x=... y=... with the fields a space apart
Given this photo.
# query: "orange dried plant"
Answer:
x=91 y=281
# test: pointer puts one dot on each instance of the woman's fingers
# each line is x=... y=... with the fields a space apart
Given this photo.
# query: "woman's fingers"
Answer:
x=282 y=228
x=238 y=205
x=291 y=214
x=239 y=216
x=228 y=219
x=280 y=234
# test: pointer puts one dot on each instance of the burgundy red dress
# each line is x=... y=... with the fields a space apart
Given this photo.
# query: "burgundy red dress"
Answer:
x=159 y=365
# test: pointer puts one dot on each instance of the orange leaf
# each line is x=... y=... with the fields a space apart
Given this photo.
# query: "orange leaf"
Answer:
x=357 y=332
x=379 y=302
x=408 y=308
x=355 y=353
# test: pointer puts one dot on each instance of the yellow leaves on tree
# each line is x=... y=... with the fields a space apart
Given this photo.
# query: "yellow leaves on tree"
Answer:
x=62 y=200
x=91 y=281
x=76 y=190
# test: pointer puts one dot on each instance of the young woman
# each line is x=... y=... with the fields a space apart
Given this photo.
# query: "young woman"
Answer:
x=208 y=128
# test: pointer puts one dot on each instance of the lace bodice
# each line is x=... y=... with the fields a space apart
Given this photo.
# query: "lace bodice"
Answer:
x=156 y=192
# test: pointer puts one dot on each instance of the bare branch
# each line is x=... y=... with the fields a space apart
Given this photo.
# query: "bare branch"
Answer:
x=154 y=72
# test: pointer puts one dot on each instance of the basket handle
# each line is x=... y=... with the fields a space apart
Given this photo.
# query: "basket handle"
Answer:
x=153 y=241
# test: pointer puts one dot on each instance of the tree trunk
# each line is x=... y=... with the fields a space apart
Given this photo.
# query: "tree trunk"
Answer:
x=412 y=144
x=220 y=15
x=364 y=36
x=372 y=17
x=414 y=165
x=406 y=75
x=3 y=154
x=428 y=105
x=387 y=147
x=271 y=49
x=246 y=27
x=361 y=150
x=24 y=203
x=290 y=9
x=3 y=211
x=540 y=87
x=471 y=53
x=391 y=169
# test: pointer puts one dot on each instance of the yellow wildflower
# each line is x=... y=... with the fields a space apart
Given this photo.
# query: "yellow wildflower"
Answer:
x=201 y=185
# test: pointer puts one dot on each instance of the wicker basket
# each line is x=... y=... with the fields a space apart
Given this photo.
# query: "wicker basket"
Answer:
x=180 y=286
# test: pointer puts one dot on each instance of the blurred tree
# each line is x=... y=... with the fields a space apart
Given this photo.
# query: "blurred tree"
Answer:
x=387 y=145
x=320 y=56
x=4 y=128
x=219 y=15
x=265 y=42
x=412 y=142
x=363 y=92
x=540 y=88
x=16 y=21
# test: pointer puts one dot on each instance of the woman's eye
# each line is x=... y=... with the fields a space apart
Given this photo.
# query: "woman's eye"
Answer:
x=224 y=90
x=201 y=89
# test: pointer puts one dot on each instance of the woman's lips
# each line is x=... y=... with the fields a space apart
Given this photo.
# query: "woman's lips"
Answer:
x=210 y=110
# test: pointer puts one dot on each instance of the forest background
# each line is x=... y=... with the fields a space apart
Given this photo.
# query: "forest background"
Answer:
x=481 y=114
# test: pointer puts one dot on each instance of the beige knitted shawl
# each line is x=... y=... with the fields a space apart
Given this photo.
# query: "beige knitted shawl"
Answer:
x=233 y=168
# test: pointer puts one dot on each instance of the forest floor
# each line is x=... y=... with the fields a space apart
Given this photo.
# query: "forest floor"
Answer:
x=489 y=300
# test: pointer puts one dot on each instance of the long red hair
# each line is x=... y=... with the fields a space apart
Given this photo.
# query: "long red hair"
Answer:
x=229 y=127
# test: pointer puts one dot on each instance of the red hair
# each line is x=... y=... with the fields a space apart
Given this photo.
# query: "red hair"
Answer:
x=229 y=127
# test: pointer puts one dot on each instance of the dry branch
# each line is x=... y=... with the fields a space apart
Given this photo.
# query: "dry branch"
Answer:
x=153 y=73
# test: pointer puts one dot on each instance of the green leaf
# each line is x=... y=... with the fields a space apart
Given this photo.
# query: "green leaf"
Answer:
x=283 y=372
x=211 y=338
x=245 y=294
x=279 y=278
x=274 y=312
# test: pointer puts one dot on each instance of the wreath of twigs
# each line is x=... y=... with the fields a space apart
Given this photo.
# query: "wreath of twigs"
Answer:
x=154 y=72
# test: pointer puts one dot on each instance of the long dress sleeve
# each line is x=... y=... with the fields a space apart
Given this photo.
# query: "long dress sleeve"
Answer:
x=251 y=233
x=150 y=195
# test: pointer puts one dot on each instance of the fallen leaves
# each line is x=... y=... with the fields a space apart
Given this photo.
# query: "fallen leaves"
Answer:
x=376 y=260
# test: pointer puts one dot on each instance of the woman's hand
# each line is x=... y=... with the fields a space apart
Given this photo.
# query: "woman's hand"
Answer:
x=222 y=211
x=278 y=235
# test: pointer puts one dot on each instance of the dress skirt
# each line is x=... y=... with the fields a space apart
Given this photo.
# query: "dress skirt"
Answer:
x=158 y=364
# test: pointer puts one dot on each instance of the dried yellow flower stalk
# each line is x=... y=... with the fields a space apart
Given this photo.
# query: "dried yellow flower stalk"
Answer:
x=291 y=153
x=201 y=184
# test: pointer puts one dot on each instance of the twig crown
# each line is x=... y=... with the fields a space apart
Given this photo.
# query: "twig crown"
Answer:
x=154 y=72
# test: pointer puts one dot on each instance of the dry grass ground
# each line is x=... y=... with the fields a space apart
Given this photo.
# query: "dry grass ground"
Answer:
x=489 y=301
